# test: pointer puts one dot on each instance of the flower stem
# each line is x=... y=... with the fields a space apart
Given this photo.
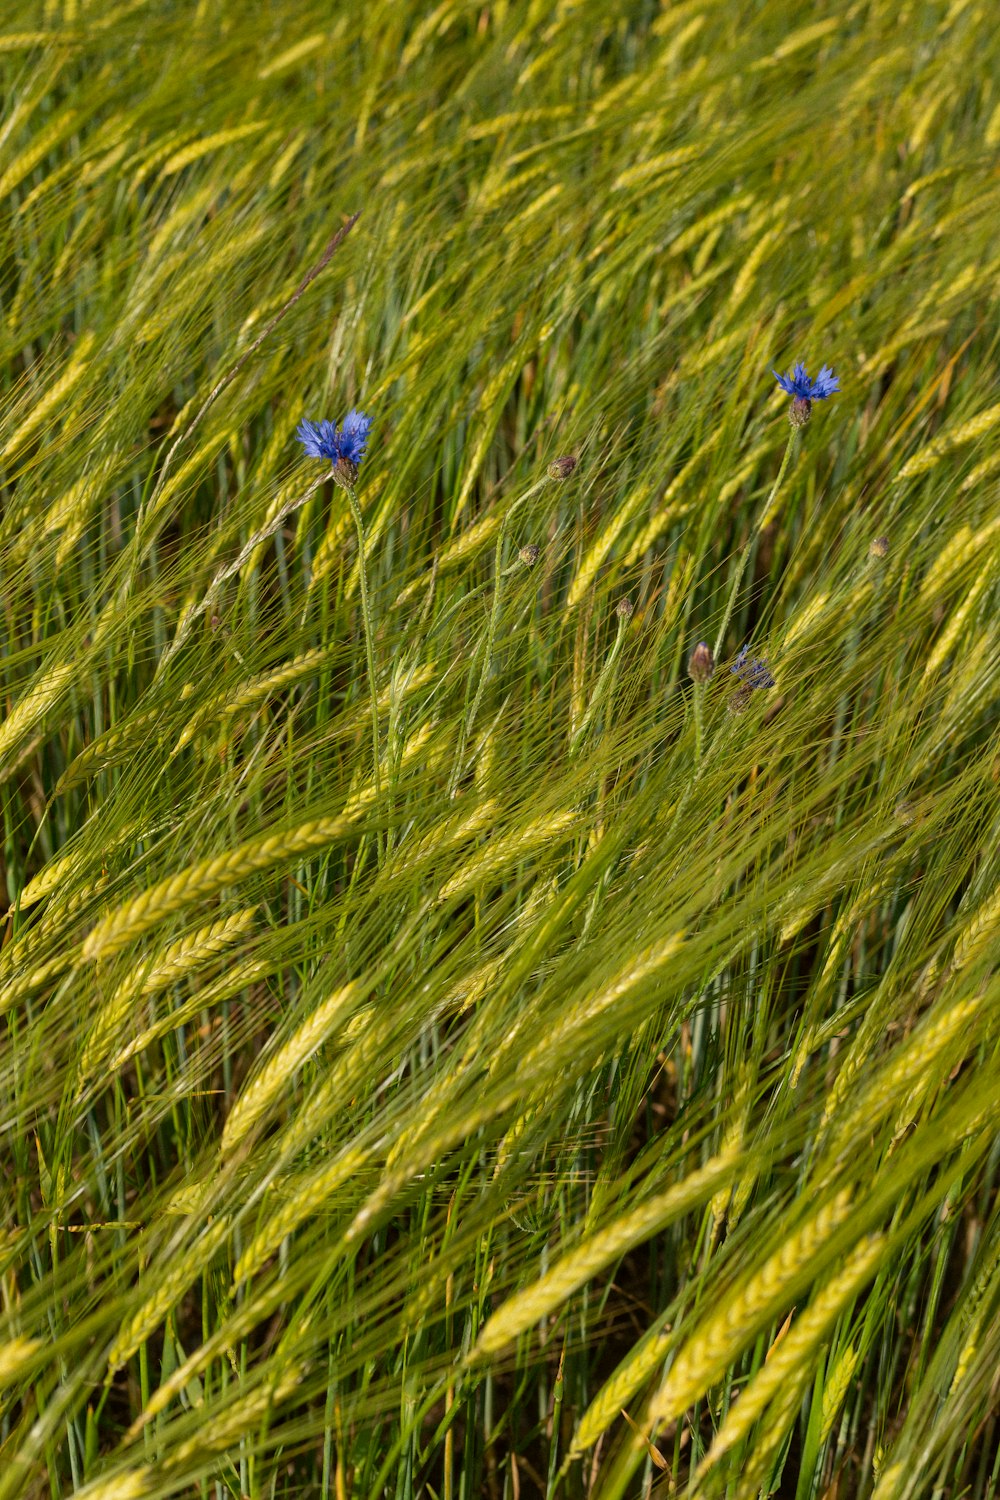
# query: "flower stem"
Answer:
x=601 y=688
x=469 y=719
x=756 y=529
x=366 y=611
x=699 y=722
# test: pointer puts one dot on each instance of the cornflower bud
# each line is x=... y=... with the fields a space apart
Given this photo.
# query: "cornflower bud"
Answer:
x=345 y=473
x=701 y=662
x=529 y=554
x=624 y=609
x=562 y=468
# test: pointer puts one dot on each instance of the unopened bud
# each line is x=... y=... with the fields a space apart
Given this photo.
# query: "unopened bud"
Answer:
x=562 y=468
x=701 y=662
x=800 y=411
x=529 y=554
x=624 y=609
x=879 y=547
x=345 y=473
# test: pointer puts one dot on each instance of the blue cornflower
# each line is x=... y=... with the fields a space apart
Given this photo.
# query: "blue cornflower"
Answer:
x=806 y=391
x=344 y=448
x=752 y=671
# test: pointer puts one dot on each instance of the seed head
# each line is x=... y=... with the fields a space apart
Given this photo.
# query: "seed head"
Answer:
x=562 y=468
x=529 y=554
x=624 y=609
x=701 y=662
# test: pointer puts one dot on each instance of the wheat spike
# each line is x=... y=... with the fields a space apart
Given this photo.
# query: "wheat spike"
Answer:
x=175 y=1276
x=196 y=949
x=500 y=852
x=206 y=878
x=160 y=971
x=591 y=564
x=308 y=1198
x=835 y=1388
x=641 y=967
x=579 y=1265
x=912 y=1061
x=42 y=143
x=269 y=1083
x=14 y=1355
x=619 y=1390
x=667 y=511
x=54 y=874
x=129 y=1486
x=31 y=709
x=54 y=397
x=234 y=980
x=796 y=1348
x=706 y=1357
x=977 y=934
x=948 y=637
x=240 y=1417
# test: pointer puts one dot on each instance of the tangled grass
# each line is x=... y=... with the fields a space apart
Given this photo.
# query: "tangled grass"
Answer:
x=597 y=1093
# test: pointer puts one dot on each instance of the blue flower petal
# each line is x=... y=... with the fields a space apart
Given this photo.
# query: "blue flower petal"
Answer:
x=310 y=437
x=322 y=439
x=799 y=384
x=353 y=437
x=825 y=384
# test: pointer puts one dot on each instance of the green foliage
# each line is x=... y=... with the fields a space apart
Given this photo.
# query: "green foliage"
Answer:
x=603 y=1096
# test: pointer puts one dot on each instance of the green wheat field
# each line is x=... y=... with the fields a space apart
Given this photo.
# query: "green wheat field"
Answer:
x=453 y=1044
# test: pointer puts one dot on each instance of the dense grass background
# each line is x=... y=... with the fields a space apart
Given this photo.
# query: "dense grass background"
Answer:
x=632 y=1124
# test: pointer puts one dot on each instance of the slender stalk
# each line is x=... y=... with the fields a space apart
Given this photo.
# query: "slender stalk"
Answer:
x=755 y=531
x=741 y=562
x=699 y=721
x=366 y=611
x=186 y=623
x=491 y=632
x=600 y=690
